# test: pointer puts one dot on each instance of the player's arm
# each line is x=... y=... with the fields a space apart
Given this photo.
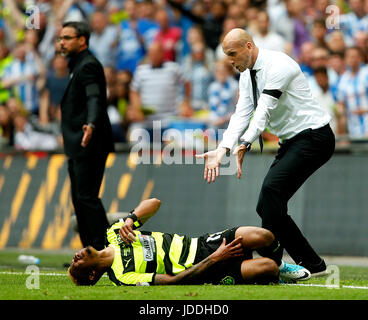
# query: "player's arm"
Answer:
x=145 y=210
x=194 y=273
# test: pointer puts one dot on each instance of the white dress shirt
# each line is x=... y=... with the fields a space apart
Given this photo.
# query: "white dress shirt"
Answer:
x=294 y=111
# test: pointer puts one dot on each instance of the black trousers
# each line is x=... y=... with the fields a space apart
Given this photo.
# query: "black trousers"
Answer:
x=86 y=174
x=296 y=160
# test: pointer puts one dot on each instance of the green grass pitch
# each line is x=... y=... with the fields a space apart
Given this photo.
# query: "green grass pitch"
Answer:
x=53 y=284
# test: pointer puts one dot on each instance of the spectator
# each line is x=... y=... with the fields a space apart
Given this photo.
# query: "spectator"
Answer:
x=153 y=94
x=235 y=12
x=22 y=74
x=136 y=34
x=6 y=127
x=324 y=96
x=5 y=61
x=251 y=16
x=361 y=41
x=77 y=10
x=296 y=10
x=305 y=57
x=14 y=105
x=319 y=59
x=320 y=9
x=282 y=21
x=199 y=74
x=104 y=39
x=222 y=97
x=210 y=24
x=195 y=35
x=146 y=9
x=266 y=38
x=27 y=138
x=335 y=41
x=337 y=64
x=51 y=95
x=168 y=36
x=354 y=21
x=352 y=95
x=112 y=109
x=105 y=6
x=122 y=85
x=110 y=75
x=319 y=32
x=229 y=23
x=184 y=23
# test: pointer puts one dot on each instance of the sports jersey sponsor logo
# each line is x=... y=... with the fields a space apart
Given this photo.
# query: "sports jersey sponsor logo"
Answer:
x=148 y=245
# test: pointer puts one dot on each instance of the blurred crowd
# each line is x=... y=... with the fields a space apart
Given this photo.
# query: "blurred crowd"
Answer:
x=163 y=61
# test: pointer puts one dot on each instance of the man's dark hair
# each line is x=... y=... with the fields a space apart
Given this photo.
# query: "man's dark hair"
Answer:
x=81 y=29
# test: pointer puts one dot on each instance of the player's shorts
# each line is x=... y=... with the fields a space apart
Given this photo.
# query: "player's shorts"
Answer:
x=224 y=272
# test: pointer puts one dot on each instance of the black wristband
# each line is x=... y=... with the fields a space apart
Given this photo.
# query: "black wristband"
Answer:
x=247 y=145
x=136 y=223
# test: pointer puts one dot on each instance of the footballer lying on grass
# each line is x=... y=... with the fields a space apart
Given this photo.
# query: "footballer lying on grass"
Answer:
x=133 y=257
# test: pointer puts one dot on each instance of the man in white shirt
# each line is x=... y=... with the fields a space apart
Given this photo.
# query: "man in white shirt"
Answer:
x=287 y=108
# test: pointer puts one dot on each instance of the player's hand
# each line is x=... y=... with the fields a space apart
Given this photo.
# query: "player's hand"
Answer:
x=239 y=152
x=88 y=130
x=228 y=251
x=212 y=163
x=126 y=232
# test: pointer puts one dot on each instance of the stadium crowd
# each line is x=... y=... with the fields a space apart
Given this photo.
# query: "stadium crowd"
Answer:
x=163 y=60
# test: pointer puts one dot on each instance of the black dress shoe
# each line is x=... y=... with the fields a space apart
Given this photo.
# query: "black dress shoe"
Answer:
x=316 y=270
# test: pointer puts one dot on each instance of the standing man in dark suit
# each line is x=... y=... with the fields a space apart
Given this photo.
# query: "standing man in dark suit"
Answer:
x=86 y=131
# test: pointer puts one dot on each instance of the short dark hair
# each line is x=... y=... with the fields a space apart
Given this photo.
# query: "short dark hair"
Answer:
x=81 y=29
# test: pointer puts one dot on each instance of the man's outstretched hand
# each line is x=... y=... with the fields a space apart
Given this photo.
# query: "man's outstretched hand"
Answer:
x=212 y=163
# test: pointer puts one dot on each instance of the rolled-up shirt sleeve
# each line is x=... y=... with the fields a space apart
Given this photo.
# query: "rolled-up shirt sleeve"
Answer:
x=239 y=121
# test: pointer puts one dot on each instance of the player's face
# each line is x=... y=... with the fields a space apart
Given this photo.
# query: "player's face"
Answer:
x=85 y=257
x=84 y=265
x=240 y=57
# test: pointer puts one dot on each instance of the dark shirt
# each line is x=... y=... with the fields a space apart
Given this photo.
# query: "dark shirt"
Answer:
x=56 y=86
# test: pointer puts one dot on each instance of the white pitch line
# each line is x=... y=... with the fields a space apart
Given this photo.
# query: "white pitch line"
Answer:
x=41 y=273
x=325 y=286
x=354 y=287
x=287 y=284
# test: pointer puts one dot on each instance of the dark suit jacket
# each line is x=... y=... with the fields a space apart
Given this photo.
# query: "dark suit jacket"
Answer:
x=84 y=102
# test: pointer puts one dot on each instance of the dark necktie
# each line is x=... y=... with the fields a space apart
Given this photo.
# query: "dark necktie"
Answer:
x=255 y=99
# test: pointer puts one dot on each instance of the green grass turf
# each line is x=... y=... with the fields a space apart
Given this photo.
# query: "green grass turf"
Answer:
x=59 y=287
